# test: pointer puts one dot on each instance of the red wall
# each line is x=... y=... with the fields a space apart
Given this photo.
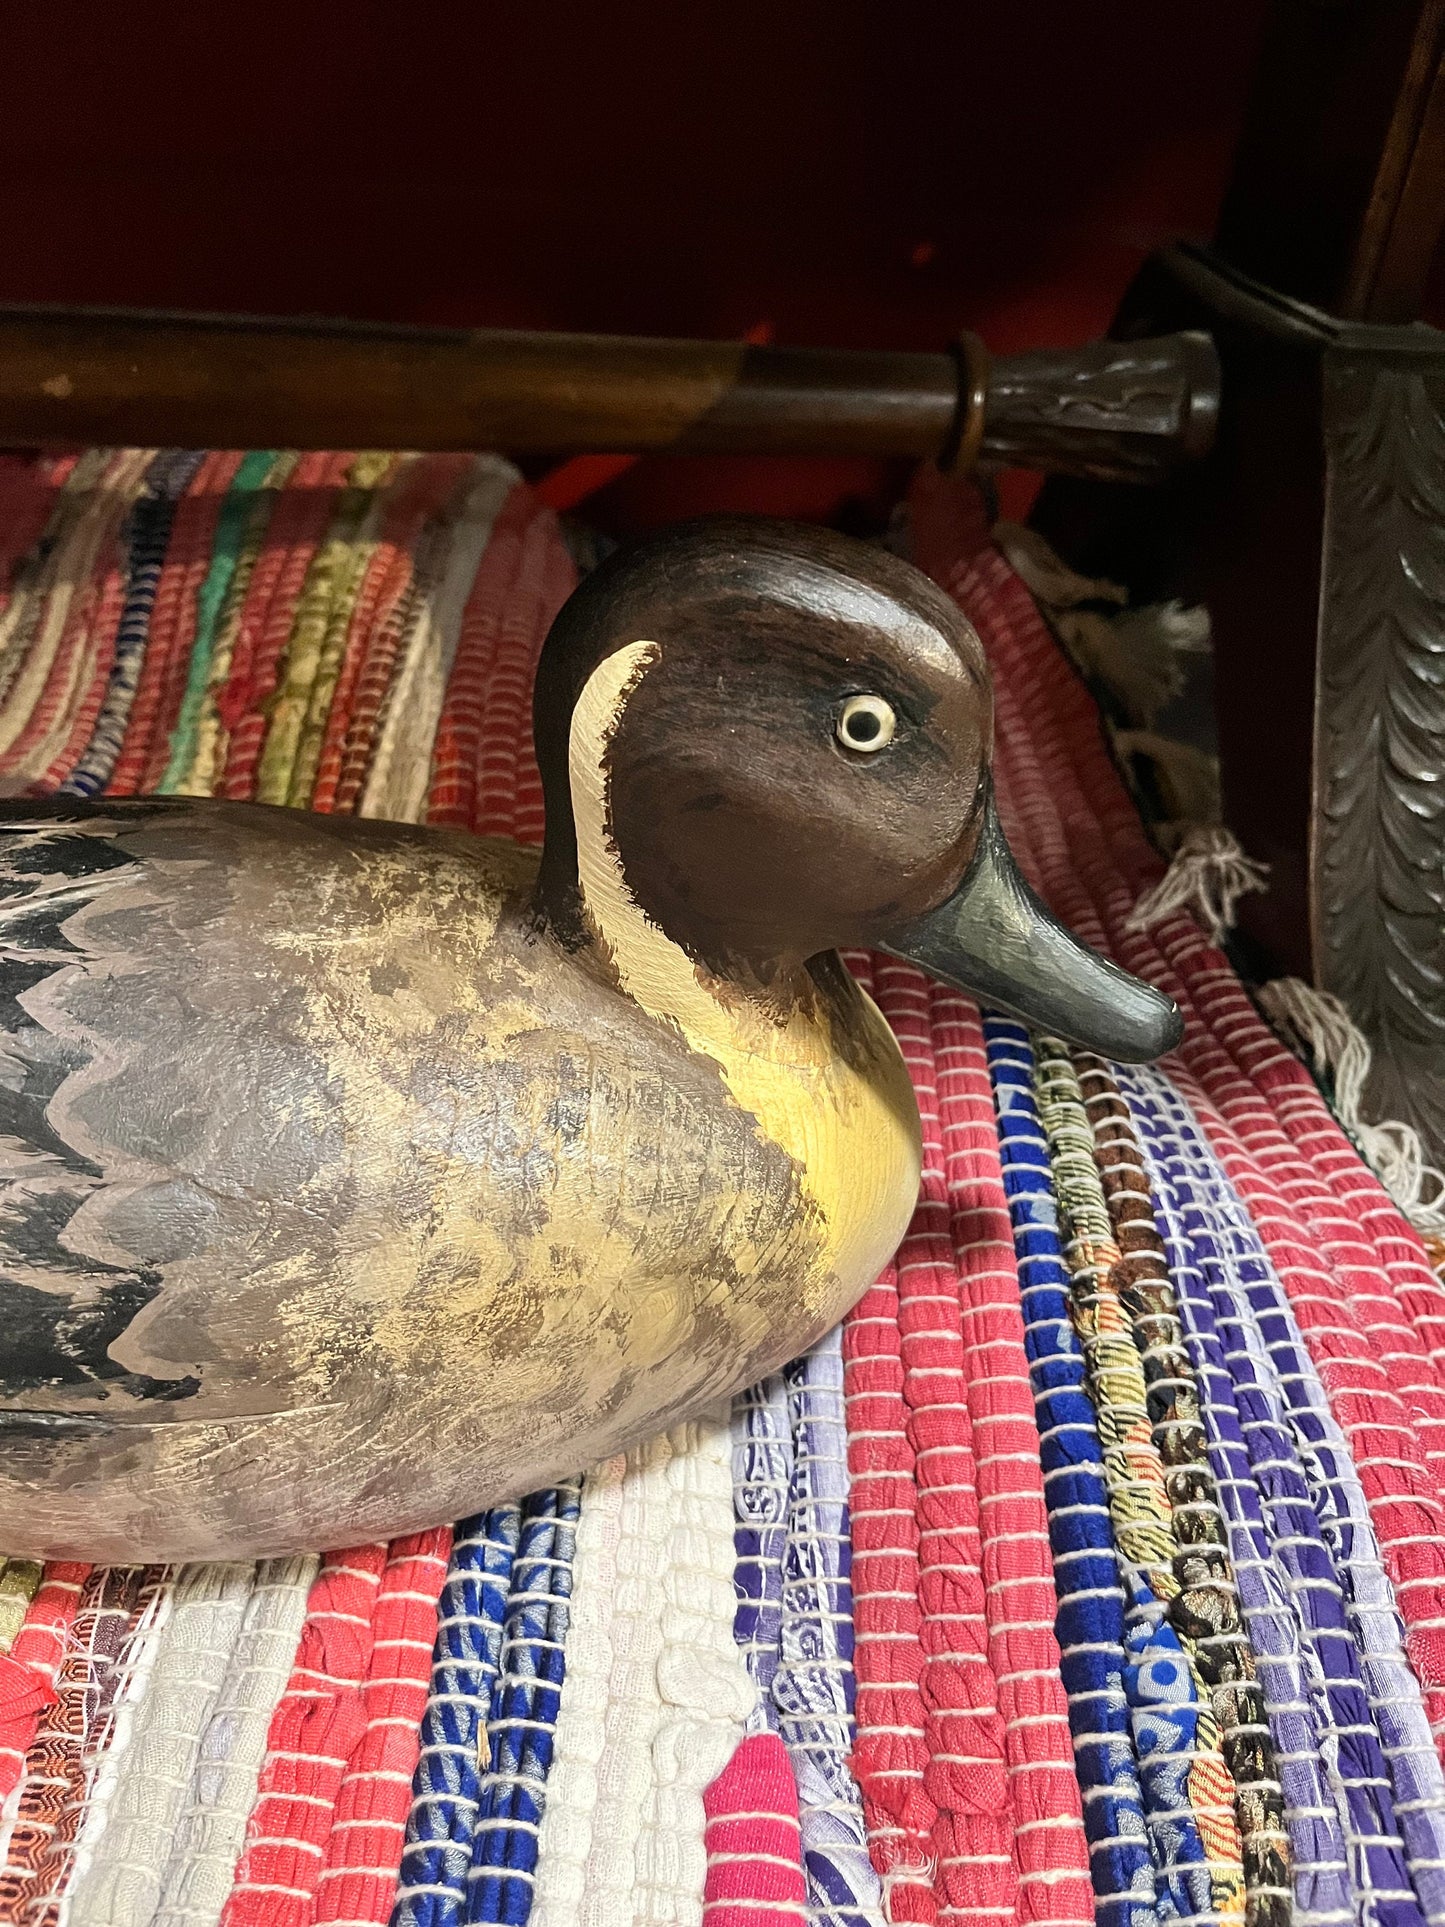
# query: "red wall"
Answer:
x=856 y=174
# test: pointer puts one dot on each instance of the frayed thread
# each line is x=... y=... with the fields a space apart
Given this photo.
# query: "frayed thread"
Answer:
x=1320 y=1025
x=1208 y=876
x=914 y=1874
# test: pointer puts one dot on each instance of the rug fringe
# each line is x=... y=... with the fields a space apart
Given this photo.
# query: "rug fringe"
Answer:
x=1322 y=1026
x=1208 y=876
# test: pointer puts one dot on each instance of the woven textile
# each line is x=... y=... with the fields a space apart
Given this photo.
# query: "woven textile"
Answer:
x=233 y=552
x=1015 y=1560
x=399 y=778
x=27 y=1673
x=813 y=1686
x=368 y=1825
x=51 y=1796
x=285 y=771
x=522 y=1729
x=1183 y=1766
x=967 y=1779
x=82 y=613
x=1017 y=1565
x=453 y=1743
x=1322 y=1885
x=189 y=1658
x=565 y=1839
x=754 y=1875
x=676 y=1689
x=315 y=1726
x=171 y=626
x=1372 y=1739
x=1357 y=1276
x=273 y=591
x=208 y=1839
x=983 y=1717
x=127 y=1709
x=762 y=1445
x=146 y=536
x=1090 y=1624
x=891 y=1719
x=703 y=1686
x=890 y=1750
x=19 y=1583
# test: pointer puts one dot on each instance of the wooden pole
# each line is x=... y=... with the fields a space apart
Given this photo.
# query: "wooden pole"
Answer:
x=76 y=377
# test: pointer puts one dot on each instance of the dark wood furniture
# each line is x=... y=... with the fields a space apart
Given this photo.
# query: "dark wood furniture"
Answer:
x=1315 y=532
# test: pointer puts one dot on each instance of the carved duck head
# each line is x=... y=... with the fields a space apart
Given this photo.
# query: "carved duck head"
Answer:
x=780 y=740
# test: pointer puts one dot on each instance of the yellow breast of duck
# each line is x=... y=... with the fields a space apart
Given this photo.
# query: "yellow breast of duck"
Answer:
x=841 y=1106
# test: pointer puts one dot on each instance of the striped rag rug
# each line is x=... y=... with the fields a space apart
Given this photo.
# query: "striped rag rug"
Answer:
x=1094 y=1568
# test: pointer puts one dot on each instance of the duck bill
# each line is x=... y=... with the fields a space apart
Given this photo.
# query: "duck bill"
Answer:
x=995 y=939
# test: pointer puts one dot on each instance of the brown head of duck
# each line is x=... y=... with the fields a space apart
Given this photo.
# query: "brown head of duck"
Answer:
x=781 y=740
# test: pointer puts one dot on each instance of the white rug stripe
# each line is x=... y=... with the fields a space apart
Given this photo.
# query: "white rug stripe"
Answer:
x=191 y=1654
x=634 y=1703
x=706 y=1690
x=568 y=1819
x=201 y=1866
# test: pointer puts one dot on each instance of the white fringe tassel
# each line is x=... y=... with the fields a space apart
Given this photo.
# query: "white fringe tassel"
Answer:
x=1323 y=1026
x=1209 y=874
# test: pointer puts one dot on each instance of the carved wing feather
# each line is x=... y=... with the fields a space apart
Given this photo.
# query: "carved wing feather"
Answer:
x=63 y=1307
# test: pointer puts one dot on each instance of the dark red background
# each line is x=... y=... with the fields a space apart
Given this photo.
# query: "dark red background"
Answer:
x=855 y=174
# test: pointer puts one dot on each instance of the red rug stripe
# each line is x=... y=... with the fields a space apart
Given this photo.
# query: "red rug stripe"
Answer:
x=419 y=499
x=754 y=1870
x=890 y=1758
x=363 y=1852
x=966 y=1777
x=27 y=1673
x=314 y=1732
x=452 y=801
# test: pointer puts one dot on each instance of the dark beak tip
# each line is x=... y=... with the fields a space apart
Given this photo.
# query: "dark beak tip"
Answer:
x=1133 y=1024
x=1156 y=1032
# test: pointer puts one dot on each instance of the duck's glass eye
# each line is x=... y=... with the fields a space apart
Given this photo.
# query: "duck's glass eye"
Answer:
x=866 y=723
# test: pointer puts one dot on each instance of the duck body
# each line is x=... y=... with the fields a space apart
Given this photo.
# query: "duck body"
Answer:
x=339 y=1198
x=354 y=1177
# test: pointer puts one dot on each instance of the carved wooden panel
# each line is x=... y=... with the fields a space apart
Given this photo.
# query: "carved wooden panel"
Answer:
x=1378 y=870
x=1315 y=535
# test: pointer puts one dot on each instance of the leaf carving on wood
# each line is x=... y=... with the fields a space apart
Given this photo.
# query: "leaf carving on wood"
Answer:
x=1379 y=829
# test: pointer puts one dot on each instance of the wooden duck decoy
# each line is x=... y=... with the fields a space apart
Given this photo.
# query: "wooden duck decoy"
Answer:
x=357 y=1176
